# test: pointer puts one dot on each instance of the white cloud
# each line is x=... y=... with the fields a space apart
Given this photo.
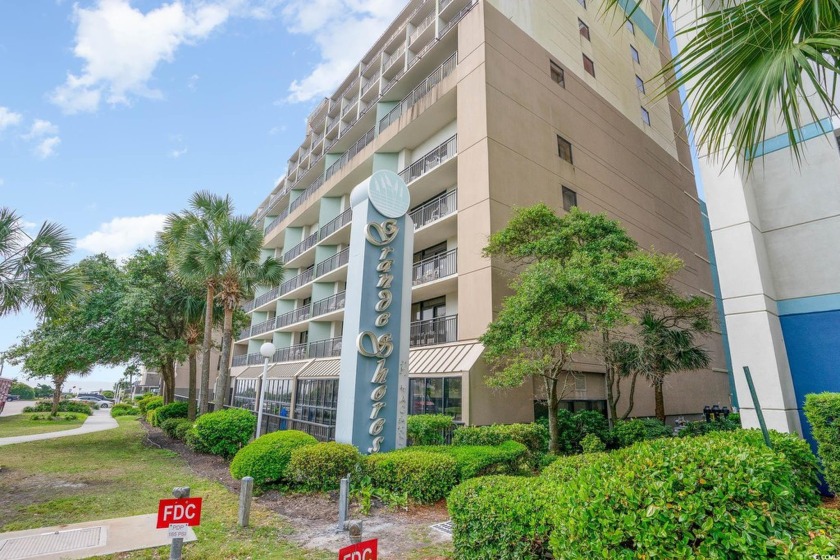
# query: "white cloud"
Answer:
x=121 y=47
x=192 y=81
x=176 y=153
x=343 y=31
x=8 y=118
x=121 y=236
x=47 y=146
x=40 y=128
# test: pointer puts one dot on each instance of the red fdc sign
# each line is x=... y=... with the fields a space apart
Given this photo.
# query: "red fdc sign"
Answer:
x=362 y=551
x=184 y=510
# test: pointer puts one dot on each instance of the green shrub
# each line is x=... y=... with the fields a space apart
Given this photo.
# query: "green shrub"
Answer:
x=182 y=429
x=428 y=429
x=592 y=444
x=170 y=425
x=149 y=402
x=480 y=460
x=63 y=406
x=533 y=436
x=124 y=410
x=424 y=476
x=151 y=417
x=323 y=465
x=573 y=427
x=806 y=467
x=171 y=410
x=823 y=413
x=266 y=458
x=566 y=467
x=720 y=496
x=501 y=518
x=628 y=432
x=223 y=432
x=193 y=441
x=702 y=427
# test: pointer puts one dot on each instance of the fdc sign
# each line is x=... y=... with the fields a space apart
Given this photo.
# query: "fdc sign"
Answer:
x=360 y=551
x=179 y=511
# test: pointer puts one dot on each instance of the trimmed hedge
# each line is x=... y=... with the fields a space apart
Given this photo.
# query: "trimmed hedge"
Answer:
x=566 y=467
x=479 y=460
x=701 y=427
x=170 y=425
x=426 y=477
x=823 y=413
x=223 y=432
x=124 y=410
x=63 y=406
x=182 y=429
x=149 y=403
x=151 y=417
x=533 y=436
x=171 y=410
x=592 y=444
x=628 y=432
x=265 y=459
x=501 y=518
x=322 y=466
x=427 y=429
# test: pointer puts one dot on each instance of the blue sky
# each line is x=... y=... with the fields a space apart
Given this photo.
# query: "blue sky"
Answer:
x=112 y=112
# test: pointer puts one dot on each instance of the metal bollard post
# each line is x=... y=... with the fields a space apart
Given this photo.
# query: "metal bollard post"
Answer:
x=343 y=500
x=178 y=543
x=355 y=529
x=245 y=500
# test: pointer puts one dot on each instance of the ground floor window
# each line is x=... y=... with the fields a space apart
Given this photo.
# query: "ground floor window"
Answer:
x=278 y=397
x=316 y=401
x=245 y=394
x=435 y=395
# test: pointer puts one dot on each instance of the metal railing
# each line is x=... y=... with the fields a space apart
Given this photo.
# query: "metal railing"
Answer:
x=434 y=331
x=328 y=304
x=298 y=281
x=276 y=221
x=294 y=316
x=435 y=267
x=307 y=192
x=336 y=223
x=259 y=328
x=422 y=26
x=457 y=18
x=394 y=56
x=431 y=160
x=255 y=358
x=321 y=432
x=366 y=139
x=301 y=247
x=262 y=299
x=349 y=106
x=290 y=354
x=433 y=79
x=434 y=209
x=329 y=264
x=328 y=348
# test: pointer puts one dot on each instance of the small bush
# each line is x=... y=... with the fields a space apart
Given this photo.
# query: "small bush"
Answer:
x=170 y=425
x=63 y=406
x=171 y=410
x=533 y=436
x=426 y=477
x=823 y=413
x=573 y=427
x=480 y=460
x=592 y=444
x=628 y=432
x=124 y=410
x=427 y=429
x=193 y=441
x=266 y=458
x=700 y=428
x=501 y=518
x=566 y=467
x=322 y=466
x=182 y=429
x=151 y=417
x=146 y=400
x=223 y=432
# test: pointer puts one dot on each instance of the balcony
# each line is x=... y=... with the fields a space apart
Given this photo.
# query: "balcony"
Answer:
x=431 y=160
x=261 y=299
x=422 y=26
x=434 y=268
x=454 y=21
x=295 y=316
x=424 y=87
x=332 y=263
x=329 y=304
x=307 y=193
x=300 y=248
x=276 y=221
x=290 y=354
x=328 y=348
x=366 y=139
x=252 y=359
x=294 y=283
x=439 y=330
x=392 y=58
x=336 y=224
x=434 y=210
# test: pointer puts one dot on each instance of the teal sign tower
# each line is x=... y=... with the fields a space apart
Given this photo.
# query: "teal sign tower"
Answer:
x=373 y=384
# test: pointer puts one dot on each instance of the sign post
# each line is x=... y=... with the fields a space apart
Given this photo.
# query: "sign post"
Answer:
x=373 y=387
x=176 y=515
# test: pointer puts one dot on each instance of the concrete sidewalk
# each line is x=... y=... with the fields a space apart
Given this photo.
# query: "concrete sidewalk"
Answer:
x=15 y=407
x=100 y=420
x=85 y=540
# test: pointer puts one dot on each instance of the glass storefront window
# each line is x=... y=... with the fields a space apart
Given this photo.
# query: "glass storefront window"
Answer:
x=317 y=400
x=245 y=394
x=435 y=395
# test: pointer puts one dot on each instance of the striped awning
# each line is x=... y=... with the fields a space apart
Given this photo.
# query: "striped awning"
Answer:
x=459 y=357
x=285 y=370
x=329 y=367
x=251 y=372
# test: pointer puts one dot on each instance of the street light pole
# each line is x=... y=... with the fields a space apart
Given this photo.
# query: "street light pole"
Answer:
x=267 y=351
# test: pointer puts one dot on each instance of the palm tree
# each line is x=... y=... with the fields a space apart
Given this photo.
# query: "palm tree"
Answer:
x=34 y=272
x=750 y=63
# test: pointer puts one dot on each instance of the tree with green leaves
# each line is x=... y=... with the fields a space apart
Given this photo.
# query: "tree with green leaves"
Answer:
x=579 y=274
x=34 y=272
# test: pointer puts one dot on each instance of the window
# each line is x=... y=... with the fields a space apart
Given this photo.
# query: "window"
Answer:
x=584 y=30
x=628 y=25
x=569 y=199
x=245 y=394
x=429 y=309
x=438 y=249
x=278 y=397
x=580 y=382
x=316 y=401
x=303 y=337
x=645 y=116
x=640 y=85
x=564 y=149
x=435 y=395
x=634 y=54
x=557 y=73
x=588 y=65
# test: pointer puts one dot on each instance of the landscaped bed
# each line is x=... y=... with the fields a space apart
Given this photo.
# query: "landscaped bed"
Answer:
x=30 y=423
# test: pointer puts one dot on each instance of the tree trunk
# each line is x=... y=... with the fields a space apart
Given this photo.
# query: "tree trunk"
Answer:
x=223 y=380
x=205 y=349
x=609 y=379
x=59 y=383
x=191 y=390
x=660 y=399
x=630 y=397
x=553 y=405
x=167 y=373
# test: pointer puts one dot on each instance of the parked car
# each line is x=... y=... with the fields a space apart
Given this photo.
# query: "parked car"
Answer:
x=95 y=400
x=12 y=398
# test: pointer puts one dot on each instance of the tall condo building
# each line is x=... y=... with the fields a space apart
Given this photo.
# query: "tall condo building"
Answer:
x=481 y=106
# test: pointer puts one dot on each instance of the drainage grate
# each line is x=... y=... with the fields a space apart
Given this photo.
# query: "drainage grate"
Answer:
x=51 y=543
x=445 y=527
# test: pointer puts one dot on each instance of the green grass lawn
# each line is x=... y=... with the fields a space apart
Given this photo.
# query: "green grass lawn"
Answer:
x=113 y=474
x=23 y=425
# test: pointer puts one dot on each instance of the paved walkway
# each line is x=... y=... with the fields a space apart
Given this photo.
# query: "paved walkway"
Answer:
x=15 y=407
x=100 y=420
x=85 y=540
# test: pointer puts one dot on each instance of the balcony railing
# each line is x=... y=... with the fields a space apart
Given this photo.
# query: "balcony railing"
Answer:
x=301 y=247
x=430 y=161
x=366 y=139
x=394 y=56
x=295 y=316
x=435 y=267
x=336 y=224
x=252 y=359
x=457 y=18
x=290 y=354
x=328 y=304
x=294 y=283
x=328 y=265
x=276 y=221
x=422 y=26
x=308 y=192
x=325 y=348
x=434 y=331
x=433 y=79
x=434 y=209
